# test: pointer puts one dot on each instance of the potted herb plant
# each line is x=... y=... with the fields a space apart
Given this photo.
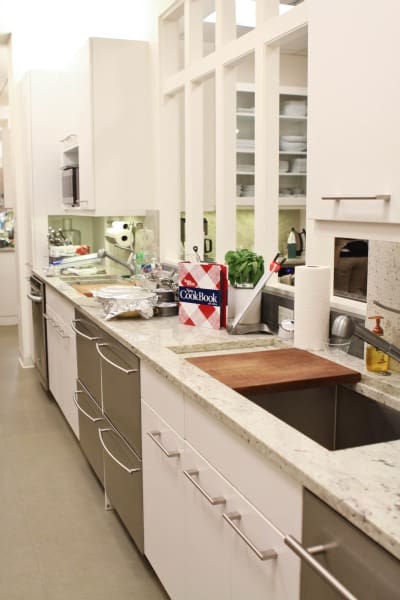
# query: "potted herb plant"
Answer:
x=245 y=268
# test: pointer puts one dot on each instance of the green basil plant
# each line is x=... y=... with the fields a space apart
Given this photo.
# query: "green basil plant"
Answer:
x=245 y=268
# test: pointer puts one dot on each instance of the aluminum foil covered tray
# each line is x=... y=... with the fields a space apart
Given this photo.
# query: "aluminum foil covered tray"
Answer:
x=124 y=301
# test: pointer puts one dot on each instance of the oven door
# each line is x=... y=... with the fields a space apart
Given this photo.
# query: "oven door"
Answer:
x=37 y=297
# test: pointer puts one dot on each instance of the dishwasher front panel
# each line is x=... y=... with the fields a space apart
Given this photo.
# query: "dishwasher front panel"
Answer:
x=38 y=299
x=357 y=562
x=90 y=421
x=88 y=360
x=123 y=483
x=121 y=391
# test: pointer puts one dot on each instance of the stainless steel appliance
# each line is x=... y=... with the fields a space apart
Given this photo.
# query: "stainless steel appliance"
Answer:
x=339 y=561
x=37 y=296
x=70 y=185
x=108 y=399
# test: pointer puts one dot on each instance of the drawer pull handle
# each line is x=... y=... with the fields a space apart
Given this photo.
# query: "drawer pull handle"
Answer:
x=261 y=554
x=127 y=469
x=86 y=337
x=126 y=371
x=214 y=500
x=156 y=434
x=36 y=299
x=92 y=419
x=305 y=555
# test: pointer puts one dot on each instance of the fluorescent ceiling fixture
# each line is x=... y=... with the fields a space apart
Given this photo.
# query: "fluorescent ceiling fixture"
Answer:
x=246 y=13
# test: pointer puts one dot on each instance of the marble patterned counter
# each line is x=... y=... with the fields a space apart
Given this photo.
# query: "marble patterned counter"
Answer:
x=362 y=484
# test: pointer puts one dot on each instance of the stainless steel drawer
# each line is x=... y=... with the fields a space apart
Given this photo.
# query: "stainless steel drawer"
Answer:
x=123 y=482
x=362 y=568
x=90 y=421
x=121 y=390
x=88 y=360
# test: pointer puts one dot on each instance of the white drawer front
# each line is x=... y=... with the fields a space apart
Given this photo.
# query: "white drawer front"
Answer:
x=163 y=396
x=273 y=492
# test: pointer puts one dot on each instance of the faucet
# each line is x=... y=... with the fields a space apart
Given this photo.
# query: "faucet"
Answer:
x=343 y=327
x=103 y=254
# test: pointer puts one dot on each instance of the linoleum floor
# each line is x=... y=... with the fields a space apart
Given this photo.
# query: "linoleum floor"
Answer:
x=56 y=540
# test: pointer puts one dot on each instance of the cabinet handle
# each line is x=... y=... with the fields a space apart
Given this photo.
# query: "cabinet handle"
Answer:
x=214 y=500
x=87 y=337
x=304 y=554
x=61 y=333
x=261 y=554
x=170 y=453
x=92 y=419
x=126 y=371
x=36 y=299
x=130 y=471
x=376 y=197
x=52 y=321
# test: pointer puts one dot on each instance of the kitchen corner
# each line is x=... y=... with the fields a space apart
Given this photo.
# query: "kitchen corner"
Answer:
x=370 y=502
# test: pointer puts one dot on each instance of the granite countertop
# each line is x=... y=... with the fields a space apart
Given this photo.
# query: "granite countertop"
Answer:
x=363 y=483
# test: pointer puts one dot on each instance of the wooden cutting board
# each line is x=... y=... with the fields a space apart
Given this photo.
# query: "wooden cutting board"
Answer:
x=274 y=370
x=86 y=288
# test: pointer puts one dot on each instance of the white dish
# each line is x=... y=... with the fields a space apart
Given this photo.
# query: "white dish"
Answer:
x=292 y=146
x=293 y=138
x=294 y=108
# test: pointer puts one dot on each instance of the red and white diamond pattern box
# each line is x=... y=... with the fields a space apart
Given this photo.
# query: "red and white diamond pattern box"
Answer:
x=202 y=294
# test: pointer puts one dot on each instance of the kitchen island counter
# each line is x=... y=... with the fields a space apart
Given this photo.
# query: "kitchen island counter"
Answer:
x=362 y=483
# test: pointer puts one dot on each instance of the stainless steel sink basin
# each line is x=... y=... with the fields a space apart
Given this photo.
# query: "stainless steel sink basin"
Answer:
x=335 y=417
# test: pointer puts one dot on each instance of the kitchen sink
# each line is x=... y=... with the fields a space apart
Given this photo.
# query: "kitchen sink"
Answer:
x=79 y=279
x=336 y=417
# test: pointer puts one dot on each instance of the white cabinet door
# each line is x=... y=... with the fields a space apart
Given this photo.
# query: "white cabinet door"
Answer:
x=62 y=355
x=114 y=126
x=163 y=501
x=354 y=122
x=252 y=575
x=231 y=550
x=207 y=539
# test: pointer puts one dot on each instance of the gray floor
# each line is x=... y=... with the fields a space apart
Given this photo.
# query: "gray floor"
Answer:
x=56 y=540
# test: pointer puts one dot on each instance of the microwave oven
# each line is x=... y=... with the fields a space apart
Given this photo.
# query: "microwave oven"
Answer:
x=70 y=185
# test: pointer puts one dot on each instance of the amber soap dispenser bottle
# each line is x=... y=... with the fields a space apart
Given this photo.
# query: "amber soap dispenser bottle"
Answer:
x=376 y=360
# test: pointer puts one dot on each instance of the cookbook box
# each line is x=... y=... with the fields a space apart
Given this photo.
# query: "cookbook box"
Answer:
x=203 y=290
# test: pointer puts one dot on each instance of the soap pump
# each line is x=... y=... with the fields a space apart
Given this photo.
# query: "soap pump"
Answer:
x=376 y=360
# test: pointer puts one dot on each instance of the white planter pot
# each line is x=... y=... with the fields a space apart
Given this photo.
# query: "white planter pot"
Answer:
x=238 y=298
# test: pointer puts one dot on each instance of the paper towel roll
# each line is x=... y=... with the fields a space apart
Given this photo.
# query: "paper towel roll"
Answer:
x=120 y=237
x=120 y=225
x=311 y=307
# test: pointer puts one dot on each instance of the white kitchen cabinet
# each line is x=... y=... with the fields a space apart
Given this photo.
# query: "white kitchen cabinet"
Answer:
x=62 y=355
x=113 y=125
x=354 y=121
x=163 y=500
x=231 y=550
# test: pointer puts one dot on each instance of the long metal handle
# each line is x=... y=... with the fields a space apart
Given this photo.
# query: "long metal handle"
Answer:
x=110 y=362
x=36 y=299
x=87 y=337
x=376 y=197
x=190 y=474
x=170 y=453
x=305 y=555
x=261 y=554
x=130 y=471
x=92 y=419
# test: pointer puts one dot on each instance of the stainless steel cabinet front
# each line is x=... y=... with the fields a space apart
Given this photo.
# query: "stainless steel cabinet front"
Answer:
x=123 y=482
x=87 y=335
x=121 y=390
x=90 y=421
x=348 y=557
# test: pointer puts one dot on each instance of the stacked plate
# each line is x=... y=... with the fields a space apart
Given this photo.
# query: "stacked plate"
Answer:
x=248 y=191
x=294 y=108
x=293 y=143
x=299 y=165
x=284 y=166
